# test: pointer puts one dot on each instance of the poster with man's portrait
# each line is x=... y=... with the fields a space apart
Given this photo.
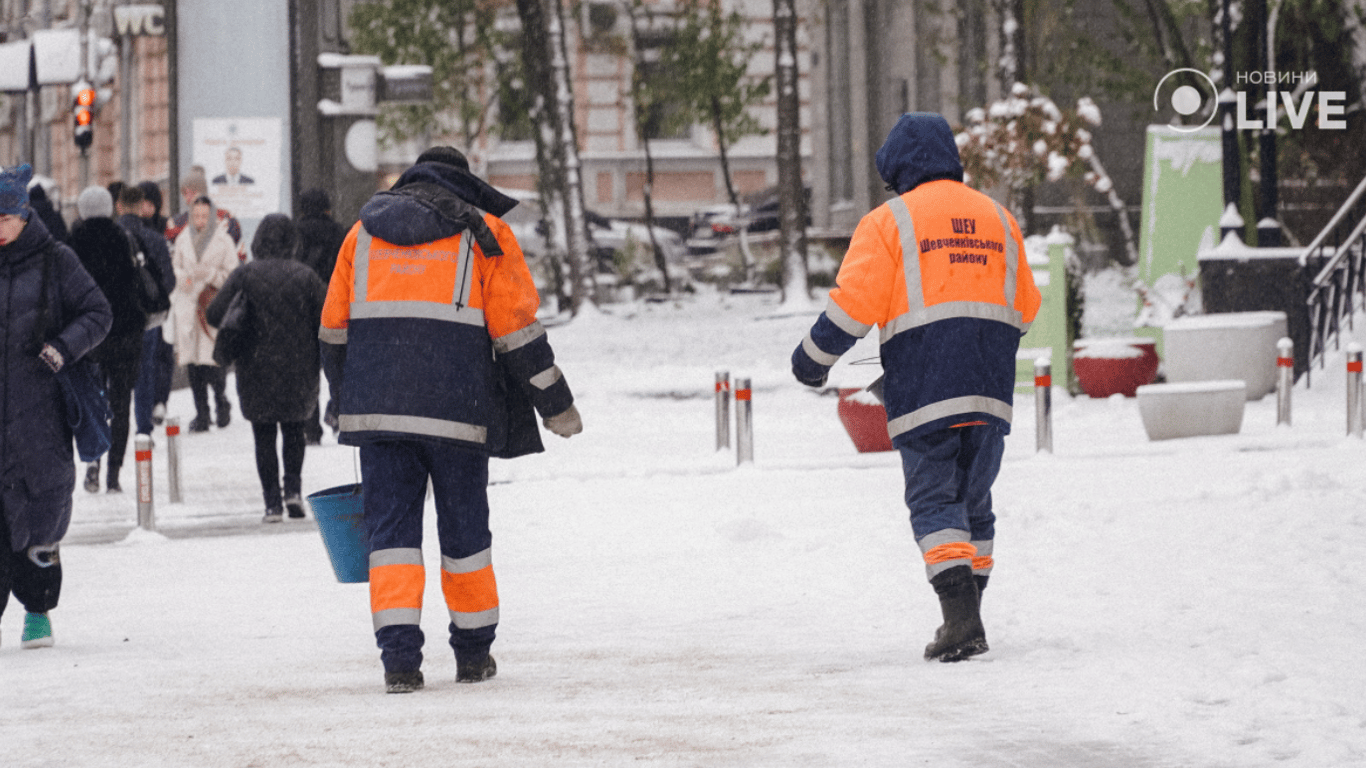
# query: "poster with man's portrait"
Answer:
x=241 y=157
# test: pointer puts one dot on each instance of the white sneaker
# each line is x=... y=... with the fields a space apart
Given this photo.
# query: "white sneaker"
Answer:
x=159 y=413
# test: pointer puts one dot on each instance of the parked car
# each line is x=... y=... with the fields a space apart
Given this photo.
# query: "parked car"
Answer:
x=607 y=235
x=758 y=212
x=610 y=235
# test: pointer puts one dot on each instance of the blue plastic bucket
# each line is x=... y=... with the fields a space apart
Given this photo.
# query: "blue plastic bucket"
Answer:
x=340 y=513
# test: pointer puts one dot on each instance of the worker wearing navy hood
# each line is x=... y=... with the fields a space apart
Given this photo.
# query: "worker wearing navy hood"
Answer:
x=940 y=269
x=436 y=356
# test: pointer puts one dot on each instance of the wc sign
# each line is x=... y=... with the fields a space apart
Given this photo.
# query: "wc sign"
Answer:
x=1189 y=91
x=137 y=20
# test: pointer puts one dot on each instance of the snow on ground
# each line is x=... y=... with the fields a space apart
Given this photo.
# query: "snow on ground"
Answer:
x=1180 y=603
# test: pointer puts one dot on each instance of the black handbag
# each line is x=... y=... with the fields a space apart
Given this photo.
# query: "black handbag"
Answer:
x=237 y=333
x=83 y=393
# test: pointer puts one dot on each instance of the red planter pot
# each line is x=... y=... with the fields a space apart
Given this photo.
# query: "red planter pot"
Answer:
x=866 y=423
x=1106 y=367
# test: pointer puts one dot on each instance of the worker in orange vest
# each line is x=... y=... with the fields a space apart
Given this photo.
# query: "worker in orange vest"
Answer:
x=941 y=270
x=436 y=358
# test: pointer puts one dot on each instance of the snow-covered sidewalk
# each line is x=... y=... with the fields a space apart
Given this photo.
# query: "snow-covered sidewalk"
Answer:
x=1179 y=603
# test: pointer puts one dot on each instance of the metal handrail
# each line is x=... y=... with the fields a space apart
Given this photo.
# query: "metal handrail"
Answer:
x=1317 y=243
x=1332 y=292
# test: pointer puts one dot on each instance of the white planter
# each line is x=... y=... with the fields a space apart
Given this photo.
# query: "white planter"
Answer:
x=1192 y=408
x=1225 y=346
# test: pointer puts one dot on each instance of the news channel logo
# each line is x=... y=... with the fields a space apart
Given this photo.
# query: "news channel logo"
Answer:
x=1187 y=91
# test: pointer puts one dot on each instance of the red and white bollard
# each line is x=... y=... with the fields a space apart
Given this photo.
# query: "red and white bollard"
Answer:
x=142 y=451
x=173 y=459
x=1043 y=405
x=722 y=409
x=744 y=423
x=1354 y=414
x=1285 y=378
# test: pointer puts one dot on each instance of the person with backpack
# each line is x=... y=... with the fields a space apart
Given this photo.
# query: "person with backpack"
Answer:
x=155 y=257
x=52 y=315
x=106 y=253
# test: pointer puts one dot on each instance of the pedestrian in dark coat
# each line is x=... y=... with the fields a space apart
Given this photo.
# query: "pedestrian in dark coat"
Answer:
x=37 y=468
x=320 y=239
x=277 y=378
x=155 y=379
x=52 y=219
x=106 y=253
x=156 y=256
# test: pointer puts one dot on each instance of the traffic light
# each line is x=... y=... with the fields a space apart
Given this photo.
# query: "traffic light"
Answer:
x=84 y=115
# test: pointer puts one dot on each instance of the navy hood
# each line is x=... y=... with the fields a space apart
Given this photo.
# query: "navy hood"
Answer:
x=920 y=148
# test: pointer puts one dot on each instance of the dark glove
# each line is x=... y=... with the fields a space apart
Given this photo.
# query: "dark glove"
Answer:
x=566 y=423
x=51 y=358
x=808 y=371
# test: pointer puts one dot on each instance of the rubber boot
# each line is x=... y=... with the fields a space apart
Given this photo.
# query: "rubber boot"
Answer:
x=962 y=634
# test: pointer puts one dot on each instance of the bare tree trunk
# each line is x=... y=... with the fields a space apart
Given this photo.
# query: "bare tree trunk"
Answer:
x=791 y=201
x=639 y=99
x=576 y=234
x=561 y=191
x=746 y=259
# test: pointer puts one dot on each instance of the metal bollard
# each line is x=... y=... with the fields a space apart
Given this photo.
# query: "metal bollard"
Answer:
x=1354 y=425
x=744 y=423
x=1285 y=378
x=1043 y=405
x=722 y=409
x=173 y=459
x=142 y=452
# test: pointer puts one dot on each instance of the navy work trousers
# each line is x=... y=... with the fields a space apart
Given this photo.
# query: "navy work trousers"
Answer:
x=949 y=474
x=395 y=475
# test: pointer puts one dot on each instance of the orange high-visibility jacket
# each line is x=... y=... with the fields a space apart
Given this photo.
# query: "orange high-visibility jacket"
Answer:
x=421 y=323
x=941 y=270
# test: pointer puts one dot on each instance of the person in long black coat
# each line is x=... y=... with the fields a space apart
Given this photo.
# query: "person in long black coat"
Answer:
x=320 y=239
x=277 y=379
x=37 y=465
x=107 y=254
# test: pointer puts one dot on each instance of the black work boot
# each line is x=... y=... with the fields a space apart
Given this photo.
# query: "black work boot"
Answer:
x=403 y=682
x=962 y=634
x=981 y=584
x=475 y=670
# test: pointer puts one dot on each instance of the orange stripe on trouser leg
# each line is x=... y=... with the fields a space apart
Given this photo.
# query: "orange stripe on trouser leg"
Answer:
x=396 y=586
x=958 y=550
x=982 y=563
x=471 y=592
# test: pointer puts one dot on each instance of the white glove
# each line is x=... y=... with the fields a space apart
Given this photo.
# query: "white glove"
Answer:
x=565 y=424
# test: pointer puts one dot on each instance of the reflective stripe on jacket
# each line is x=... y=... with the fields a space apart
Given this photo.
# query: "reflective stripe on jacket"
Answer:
x=942 y=271
x=421 y=324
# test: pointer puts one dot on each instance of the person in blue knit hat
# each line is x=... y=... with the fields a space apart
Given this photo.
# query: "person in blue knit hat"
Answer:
x=54 y=315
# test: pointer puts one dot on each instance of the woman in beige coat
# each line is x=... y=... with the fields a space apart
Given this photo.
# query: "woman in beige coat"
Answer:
x=203 y=257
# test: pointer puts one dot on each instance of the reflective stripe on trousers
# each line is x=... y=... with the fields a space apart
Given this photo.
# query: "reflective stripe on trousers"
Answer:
x=470 y=589
x=397 y=580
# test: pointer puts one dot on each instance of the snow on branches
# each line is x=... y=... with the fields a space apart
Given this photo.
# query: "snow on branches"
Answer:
x=1025 y=139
